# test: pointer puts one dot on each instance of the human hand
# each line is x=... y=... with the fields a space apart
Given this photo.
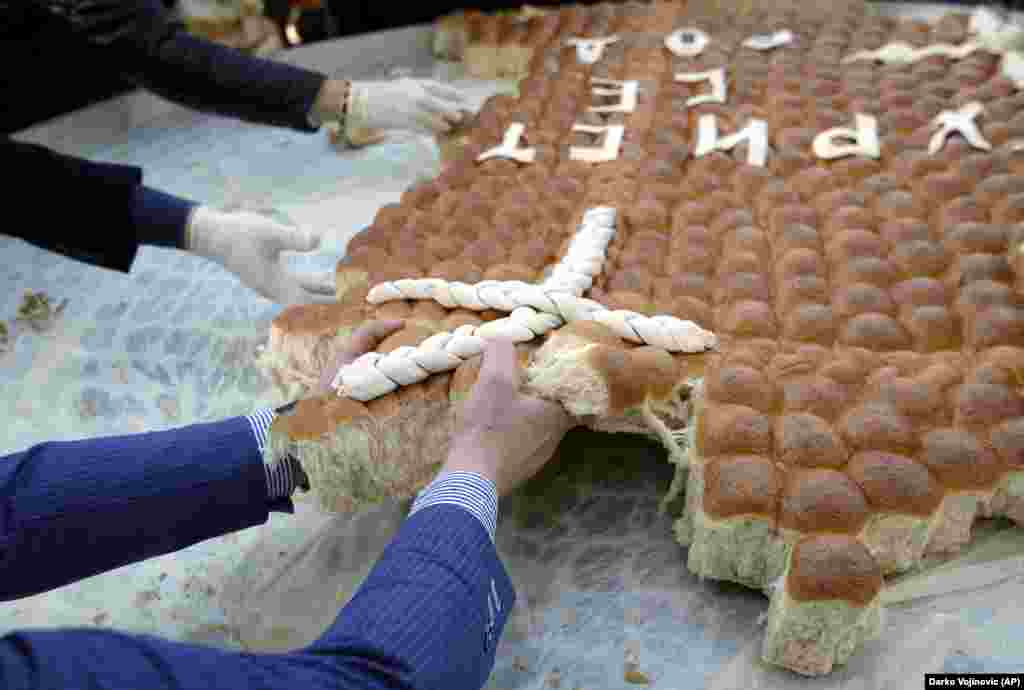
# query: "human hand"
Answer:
x=501 y=433
x=250 y=245
x=413 y=104
x=364 y=339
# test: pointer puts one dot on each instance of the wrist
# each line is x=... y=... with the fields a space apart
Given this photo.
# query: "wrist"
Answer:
x=283 y=472
x=189 y=241
x=159 y=218
x=331 y=104
x=468 y=454
x=201 y=231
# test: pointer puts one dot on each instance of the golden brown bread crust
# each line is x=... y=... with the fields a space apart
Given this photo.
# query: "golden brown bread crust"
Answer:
x=979 y=405
x=634 y=375
x=427 y=313
x=461 y=317
x=742 y=485
x=400 y=309
x=868 y=311
x=895 y=483
x=593 y=332
x=303 y=339
x=1015 y=257
x=822 y=500
x=733 y=430
x=511 y=272
x=960 y=460
x=316 y=319
x=1008 y=441
x=385 y=406
x=829 y=567
x=314 y=417
x=493 y=46
x=410 y=335
x=806 y=440
x=878 y=425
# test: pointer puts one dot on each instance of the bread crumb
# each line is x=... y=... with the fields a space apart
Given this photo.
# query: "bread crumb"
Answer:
x=636 y=677
x=37 y=311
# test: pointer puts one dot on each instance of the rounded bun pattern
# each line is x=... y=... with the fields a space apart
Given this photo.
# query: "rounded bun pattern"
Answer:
x=534 y=311
x=902 y=450
x=860 y=404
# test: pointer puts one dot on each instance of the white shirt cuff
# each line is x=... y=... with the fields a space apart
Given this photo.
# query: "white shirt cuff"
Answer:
x=281 y=479
x=468 y=490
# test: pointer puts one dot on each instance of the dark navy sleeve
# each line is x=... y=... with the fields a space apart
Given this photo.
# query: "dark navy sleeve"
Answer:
x=428 y=616
x=70 y=510
x=164 y=58
x=104 y=212
x=431 y=611
x=142 y=42
x=71 y=206
x=161 y=218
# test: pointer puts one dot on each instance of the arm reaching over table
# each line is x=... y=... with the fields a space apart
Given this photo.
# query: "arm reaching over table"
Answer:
x=429 y=614
x=132 y=214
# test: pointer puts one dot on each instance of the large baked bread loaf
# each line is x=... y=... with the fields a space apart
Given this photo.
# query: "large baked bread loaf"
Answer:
x=356 y=453
x=1015 y=257
x=496 y=45
x=865 y=404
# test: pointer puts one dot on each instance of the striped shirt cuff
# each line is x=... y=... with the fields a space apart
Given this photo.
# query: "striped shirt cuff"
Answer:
x=468 y=490
x=260 y=422
x=283 y=476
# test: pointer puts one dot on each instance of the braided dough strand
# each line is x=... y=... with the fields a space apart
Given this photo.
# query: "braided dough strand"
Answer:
x=533 y=311
x=373 y=375
x=664 y=331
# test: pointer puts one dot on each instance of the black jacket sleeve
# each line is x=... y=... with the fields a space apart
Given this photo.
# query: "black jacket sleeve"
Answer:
x=77 y=208
x=141 y=42
x=86 y=210
x=214 y=78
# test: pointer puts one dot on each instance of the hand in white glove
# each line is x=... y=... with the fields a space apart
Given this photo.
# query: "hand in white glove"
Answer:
x=353 y=137
x=249 y=245
x=412 y=104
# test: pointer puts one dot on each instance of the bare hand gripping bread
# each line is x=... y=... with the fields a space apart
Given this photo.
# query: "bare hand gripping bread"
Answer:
x=356 y=454
x=865 y=404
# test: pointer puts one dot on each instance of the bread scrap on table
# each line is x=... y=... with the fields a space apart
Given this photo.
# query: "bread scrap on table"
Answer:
x=844 y=216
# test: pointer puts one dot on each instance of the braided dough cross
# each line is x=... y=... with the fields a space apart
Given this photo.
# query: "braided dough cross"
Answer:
x=533 y=310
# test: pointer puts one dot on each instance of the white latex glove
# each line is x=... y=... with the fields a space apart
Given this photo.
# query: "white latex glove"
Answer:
x=353 y=137
x=412 y=104
x=996 y=29
x=249 y=245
